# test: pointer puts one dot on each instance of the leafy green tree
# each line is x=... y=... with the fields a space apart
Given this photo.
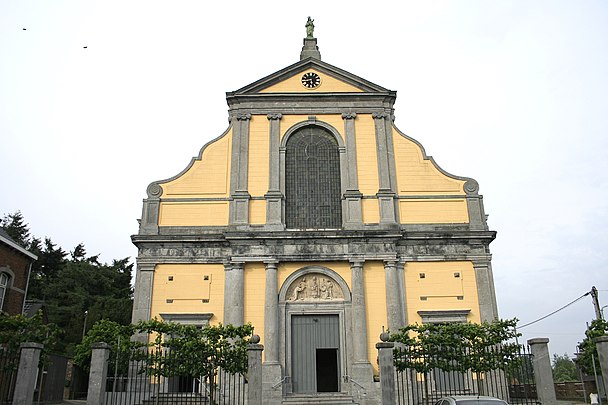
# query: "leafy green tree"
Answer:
x=17 y=329
x=564 y=369
x=587 y=348
x=116 y=335
x=458 y=346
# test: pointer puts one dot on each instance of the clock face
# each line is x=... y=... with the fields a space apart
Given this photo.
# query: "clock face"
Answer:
x=311 y=80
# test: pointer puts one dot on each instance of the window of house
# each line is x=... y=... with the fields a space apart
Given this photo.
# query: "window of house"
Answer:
x=312 y=180
x=4 y=279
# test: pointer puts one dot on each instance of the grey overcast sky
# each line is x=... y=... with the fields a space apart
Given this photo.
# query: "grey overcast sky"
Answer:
x=100 y=98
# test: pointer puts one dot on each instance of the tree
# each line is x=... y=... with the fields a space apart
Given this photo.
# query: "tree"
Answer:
x=587 y=348
x=14 y=225
x=459 y=346
x=564 y=369
x=17 y=329
x=70 y=284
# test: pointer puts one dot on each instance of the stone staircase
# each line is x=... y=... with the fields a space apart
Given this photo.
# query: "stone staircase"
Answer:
x=319 y=399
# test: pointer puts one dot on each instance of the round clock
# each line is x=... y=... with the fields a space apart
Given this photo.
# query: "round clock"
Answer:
x=311 y=80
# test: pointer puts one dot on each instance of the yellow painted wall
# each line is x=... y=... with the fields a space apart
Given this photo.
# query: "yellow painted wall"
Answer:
x=433 y=211
x=328 y=84
x=199 y=213
x=416 y=176
x=207 y=177
x=255 y=287
x=257 y=212
x=371 y=211
x=258 y=155
x=188 y=289
x=367 y=156
x=375 y=307
x=335 y=120
x=441 y=288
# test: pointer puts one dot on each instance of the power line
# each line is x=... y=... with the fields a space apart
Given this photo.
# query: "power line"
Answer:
x=556 y=311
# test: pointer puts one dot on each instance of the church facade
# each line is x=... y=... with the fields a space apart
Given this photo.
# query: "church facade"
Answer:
x=316 y=220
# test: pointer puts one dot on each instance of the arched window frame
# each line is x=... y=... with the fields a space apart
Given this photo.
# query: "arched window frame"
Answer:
x=341 y=150
x=5 y=283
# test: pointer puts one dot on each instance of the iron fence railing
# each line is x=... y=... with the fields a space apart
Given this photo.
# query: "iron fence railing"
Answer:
x=9 y=364
x=154 y=376
x=422 y=379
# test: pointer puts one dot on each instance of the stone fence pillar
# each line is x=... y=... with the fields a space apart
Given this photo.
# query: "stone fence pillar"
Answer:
x=254 y=352
x=543 y=376
x=27 y=373
x=387 y=370
x=601 y=343
x=97 y=375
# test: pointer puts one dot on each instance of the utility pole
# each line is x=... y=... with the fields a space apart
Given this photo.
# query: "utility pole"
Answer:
x=596 y=303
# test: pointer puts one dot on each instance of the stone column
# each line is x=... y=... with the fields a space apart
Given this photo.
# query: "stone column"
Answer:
x=98 y=373
x=361 y=371
x=488 y=309
x=394 y=300
x=354 y=215
x=27 y=373
x=386 y=194
x=272 y=367
x=387 y=370
x=274 y=197
x=239 y=212
x=601 y=343
x=234 y=293
x=541 y=362
x=254 y=374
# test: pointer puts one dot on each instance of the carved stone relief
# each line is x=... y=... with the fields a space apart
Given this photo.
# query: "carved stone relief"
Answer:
x=314 y=287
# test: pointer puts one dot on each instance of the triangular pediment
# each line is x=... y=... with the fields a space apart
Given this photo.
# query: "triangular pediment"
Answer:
x=289 y=80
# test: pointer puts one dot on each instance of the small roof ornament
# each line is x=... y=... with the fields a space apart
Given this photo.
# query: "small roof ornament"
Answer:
x=310 y=48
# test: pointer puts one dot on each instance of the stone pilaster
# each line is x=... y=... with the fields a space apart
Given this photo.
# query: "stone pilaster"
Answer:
x=354 y=215
x=239 y=208
x=401 y=277
x=394 y=300
x=488 y=309
x=274 y=197
x=234 y=293
x=386 y=193
x=142 y=300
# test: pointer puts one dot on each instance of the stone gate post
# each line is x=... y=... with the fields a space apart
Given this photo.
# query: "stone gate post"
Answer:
x=543 y=376
x=98 y=373
x=27 y=373
x=601 y=343
x=387 y=370
x=254 y=352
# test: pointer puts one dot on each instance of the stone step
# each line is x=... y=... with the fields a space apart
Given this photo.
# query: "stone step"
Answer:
x=323 y=399
x=177 y=399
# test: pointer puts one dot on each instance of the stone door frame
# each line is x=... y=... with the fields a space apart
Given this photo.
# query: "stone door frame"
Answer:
x=341 y=307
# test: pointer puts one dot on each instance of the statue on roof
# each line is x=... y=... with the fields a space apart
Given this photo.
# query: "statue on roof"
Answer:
x=310 y=28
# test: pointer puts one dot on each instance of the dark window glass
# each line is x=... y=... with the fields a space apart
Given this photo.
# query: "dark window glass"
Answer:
x=312 y=180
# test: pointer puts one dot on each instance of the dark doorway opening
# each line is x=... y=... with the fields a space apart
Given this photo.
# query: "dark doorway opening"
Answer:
x=327 y=370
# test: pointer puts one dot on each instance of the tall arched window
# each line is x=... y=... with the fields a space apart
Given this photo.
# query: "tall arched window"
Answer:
x=312 y=180
x=4 y=279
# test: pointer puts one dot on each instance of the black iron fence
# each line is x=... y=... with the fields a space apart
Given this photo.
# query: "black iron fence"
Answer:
x=9 y=363
x=423 y=379
x=164 y=376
